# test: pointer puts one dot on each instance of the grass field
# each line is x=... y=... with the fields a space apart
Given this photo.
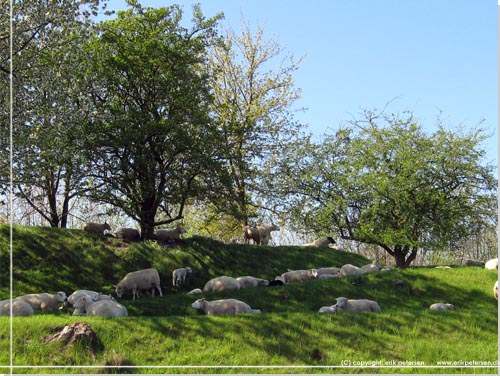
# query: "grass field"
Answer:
x=165 y=335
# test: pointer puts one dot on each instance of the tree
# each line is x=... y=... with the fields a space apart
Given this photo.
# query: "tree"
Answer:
x=152 y=144
x=392 y=185
x=252 y=106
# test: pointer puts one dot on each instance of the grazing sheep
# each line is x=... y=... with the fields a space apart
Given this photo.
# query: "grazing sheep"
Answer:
x=195 y=291
x=169 y=235
x=355 y=305
x=96 y=228
x=440 y=306
x=223 y=307
x=20 y=307
x=45 y=301
x=265 y=233
x=495 y=290
x=179 y=275
x=249 y=281
x=300 y=275
x=128 y=234
x=328 y=271
x=349 y=269
x=371 y=268
x=491 y=264
x=107 y=308
x=323 y=242
x=221 y=284
x=146 y=279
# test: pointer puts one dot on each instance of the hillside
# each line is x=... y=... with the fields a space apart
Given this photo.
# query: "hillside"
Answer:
x=167 y=335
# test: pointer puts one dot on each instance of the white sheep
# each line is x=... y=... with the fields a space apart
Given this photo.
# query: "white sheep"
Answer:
x=355 y=305
x=491 y=264
x=96 y=228
x=300 y=275
x=328 y=276
x=107 y=308
x=349 y=270
x=179 y=275
x=146 y=279
x=327 y=309
x=20 y=307
x=45 y=301
x=89 y=296
x=265 y=233
x=495 y=290
x=441 y=306
x=328 y=271
x=221 y=284
x=223 y=307
x=371 y=268
x=194 y=291
x=170 y=234
x=323 y=242
x=128 y=234
x=249 y=281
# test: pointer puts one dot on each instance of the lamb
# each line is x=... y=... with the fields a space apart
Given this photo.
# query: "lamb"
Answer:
x=371 y=268
x=221 y=284
x=96 y=228
x=349 y=270
x=300 y=275
x=146 y=279
x=106 y=308
x=20 y=307
x=491 y=264
x=45 y=301
x=249 y=281
x=223 y=307
x=194 y=291
x=440 y=306
x=355 y=305
x=328 y=271
x=169 y=235
x=323 y=242
x=179 y=275
x=128 y=234
x=495 y=290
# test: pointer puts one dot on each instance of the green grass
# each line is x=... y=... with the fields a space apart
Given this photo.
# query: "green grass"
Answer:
x=289 y=333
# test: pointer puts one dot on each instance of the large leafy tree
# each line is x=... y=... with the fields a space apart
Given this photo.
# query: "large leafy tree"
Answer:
x=385 y=181
x=152 y=144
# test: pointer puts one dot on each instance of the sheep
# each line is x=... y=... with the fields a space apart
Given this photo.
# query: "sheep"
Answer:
x=96 y=228
x=328 y=271
x=179 y=275
x=469 y=262
x=107 y=308
x=265 y=233
x=146 y=279
x=328 y=276
x=440 y=306
x=349 y=270
x=223 y=307
x=323 y=242
x=89 y=296
x=249 y=281
x=355 y=305
x=300 y=275
x=128 y=234
x=221 y=284
x=194 y=291
x=491 y=264
x=495 y=290
x=386 y=268
x=20 y=307
x=327 y=309
x=371 y=268
x=251 y=233
x=170 y=234
x=45 y=301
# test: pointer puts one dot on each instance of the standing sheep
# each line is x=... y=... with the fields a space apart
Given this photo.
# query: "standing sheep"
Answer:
x=300 y=275
x=179 y=275
x=441 y=306
x=349 y=270
x=19 y=308
x=223 y=307
x=45 y=301
x=170 y=234
x=323 y=242
x=249 y=281
x=251 y=233
x=128 y=234
x=96 y=228
x=221 y=284
x=355 y=305
x=265 y=233
x=146 y=279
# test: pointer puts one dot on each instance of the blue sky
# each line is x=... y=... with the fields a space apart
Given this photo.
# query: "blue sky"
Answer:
x=428 y=56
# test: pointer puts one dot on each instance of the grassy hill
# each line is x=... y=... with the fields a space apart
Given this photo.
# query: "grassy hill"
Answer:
x=167 y=332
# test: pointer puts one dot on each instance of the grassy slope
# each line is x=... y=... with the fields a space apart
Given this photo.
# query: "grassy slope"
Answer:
x=289 y=331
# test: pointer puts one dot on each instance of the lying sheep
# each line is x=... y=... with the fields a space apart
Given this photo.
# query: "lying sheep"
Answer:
x=169 y=235
x=323 y=242
x=221 y=284
x=491 y=264
x=128 y=234
x=300 y=275
x=350 y=270
x=45 y=301
x=355 y=305
x=331 y=271
x=194 y=291
x=223 y=307
x=89 y=296
x=107 y=308
x=327 y=309
x=179 y=275
x=440 y=306
x=146 y=279
x=371 y=268
x=328 y=276
x=20 y=307
x=495 y=290
x=249 y=281
x=96 y=228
